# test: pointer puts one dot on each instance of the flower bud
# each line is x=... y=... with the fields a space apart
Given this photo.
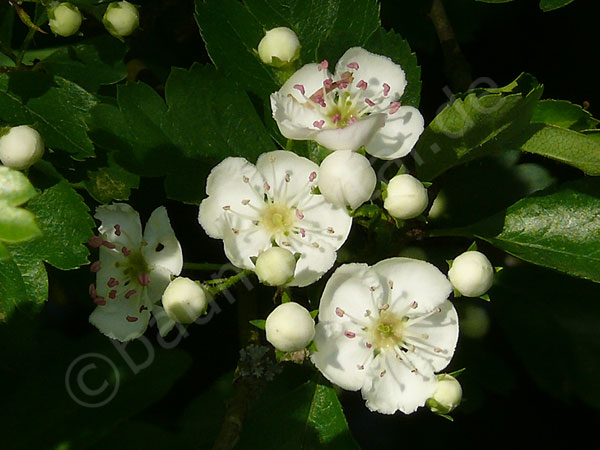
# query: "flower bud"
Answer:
x=447 y=396
x=346 y=178
x=184 y=300
x=121 y=19
x=406 y=197
x=290 y=327
x=65 y=19
x=21 y=147
x=471 y=274
x=275 y=266
x=279 y=47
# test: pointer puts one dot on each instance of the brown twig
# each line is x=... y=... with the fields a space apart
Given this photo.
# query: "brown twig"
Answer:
x=456 y=67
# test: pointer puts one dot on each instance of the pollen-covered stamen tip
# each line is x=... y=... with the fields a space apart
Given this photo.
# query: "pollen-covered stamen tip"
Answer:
x=100 y=301
x=144 y=279
x=300 y=88
x=126 y=251
x=349 y=334
x=312 y=176
x=386 y=89
x=117 y=230
x=362 y=84
x=323 y=65
x=109 y=245
x=337 y=117
x=370 y=102
x=130 y=293
x=95 y=241
x=339 y=312
x=131 y=319
x=299 y=214
x=92 y=290
x=353 y=65
x=319 y=124
x=112 y=282
x=112 y=294
x=95 y=267
x=394 y=107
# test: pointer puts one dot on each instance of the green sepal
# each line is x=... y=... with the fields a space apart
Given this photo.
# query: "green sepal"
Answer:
x=259 y=323
x=314 y=313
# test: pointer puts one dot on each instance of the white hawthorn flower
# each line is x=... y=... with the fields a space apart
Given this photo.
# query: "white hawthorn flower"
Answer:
x=406 y=197
x=21 y=147
x=279 y=47
x=358 y=105
x=290 y=327
x=133 y=271
x=347 y=178
x=121 y=19
x=250 y=207
x=275 y=266
x=472 y=274
x=184 y=300
x=386 y=330
x=64 y=19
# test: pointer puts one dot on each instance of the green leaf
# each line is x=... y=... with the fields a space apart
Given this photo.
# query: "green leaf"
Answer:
x=566 y=146
x=90 y=63
x=183 y=137
x=326 y=29
x=476 y=124
x=111 y=183
x=558 y=228
x=16 y=224
x=303 y=413
x=544 y=314
x=231 y=34
x=66 y=226
x=550 y=5
x=563 y=114
x=395 y=47
x=56 y=106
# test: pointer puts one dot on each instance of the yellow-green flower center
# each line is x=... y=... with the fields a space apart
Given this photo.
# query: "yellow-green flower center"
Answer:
x=388 y=330
x=278 y=218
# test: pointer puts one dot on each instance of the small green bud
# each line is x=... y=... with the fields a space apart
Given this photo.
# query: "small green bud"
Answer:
x=121 y=19
x=447 y=396
x=65 y=19
x=279 y=47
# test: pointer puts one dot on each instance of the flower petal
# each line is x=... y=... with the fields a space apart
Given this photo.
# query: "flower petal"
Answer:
x=290 y=176
x=324 y=222
x=391 y=386
x=120 y=225
x=243 y=240
x=309 y=77
x=413 y=280
x=159 y=278
x=226 y=186
x=163 y=322
x=339 y=357
x=296 y=120
x=352 y=136
x=111 y=264
x=375 y=70
x=399 y=135
x=348 y=294
x=442 y=333
x=120 y=319
x=163 y=248
x=313 y=262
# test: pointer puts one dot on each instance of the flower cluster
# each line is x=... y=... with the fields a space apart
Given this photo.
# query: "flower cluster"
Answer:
x=386 y=329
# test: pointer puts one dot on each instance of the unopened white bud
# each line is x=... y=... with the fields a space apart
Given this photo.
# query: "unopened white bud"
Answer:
x=279 y=47
x=406 y=197
x=121 y=19
x=184 y=300
x=290 y=327
x=346 y=178
x=65 y=19
x=471 y=274
x=21 y=147
x=275 y=266
x=447 y=396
